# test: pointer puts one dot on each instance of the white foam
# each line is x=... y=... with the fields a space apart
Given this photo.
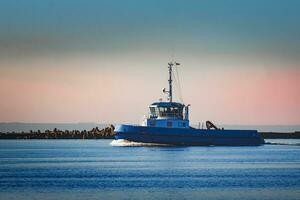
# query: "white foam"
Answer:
x=126 y=143
x=283 y=141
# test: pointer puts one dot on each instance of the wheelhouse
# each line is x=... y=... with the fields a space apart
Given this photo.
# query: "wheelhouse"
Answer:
x=167 y=114
x=166 y=110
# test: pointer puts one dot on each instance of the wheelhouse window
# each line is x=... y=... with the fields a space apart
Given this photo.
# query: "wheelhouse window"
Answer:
x=153 y=112
x=170 y=112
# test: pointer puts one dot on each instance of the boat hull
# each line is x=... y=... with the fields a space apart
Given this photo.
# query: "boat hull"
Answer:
x=188 y=136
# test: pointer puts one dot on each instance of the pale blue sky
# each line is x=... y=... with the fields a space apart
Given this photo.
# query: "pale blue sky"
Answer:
x=110 y=26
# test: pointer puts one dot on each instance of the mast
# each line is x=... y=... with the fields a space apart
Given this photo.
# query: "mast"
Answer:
x=170 y=92
x=170 y=81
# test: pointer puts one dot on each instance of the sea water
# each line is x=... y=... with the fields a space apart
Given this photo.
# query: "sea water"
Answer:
x=94 y=169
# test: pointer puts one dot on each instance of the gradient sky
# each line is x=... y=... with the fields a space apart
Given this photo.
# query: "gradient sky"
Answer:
x=106 y=60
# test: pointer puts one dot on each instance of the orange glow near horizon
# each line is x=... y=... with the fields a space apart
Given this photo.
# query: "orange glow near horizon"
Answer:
x=249 y=97
x=68 y=92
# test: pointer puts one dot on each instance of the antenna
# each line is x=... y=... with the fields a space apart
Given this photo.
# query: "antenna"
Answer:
x=177 y=82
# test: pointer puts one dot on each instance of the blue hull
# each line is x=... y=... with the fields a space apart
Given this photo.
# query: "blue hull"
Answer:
x=188 y=136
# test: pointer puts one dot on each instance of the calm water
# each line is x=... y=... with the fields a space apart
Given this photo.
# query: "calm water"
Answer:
x=93 y=169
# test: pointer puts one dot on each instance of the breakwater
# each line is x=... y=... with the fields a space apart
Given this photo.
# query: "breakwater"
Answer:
x=276 y=135
x=108 y=133
x=95 y=133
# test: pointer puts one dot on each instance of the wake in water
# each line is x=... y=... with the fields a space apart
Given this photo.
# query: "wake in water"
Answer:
x=278 y=143
x=293 y=142
x=126 y=143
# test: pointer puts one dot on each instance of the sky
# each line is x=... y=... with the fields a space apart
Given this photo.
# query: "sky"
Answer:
x=105 y=61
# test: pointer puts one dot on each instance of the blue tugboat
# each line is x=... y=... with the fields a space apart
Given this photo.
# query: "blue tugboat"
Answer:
x=168 y=123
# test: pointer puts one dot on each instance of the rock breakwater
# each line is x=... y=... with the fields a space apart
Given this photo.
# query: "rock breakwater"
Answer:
x=95 y=133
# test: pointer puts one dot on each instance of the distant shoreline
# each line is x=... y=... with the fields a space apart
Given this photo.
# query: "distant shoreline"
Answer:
x=108 y=133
